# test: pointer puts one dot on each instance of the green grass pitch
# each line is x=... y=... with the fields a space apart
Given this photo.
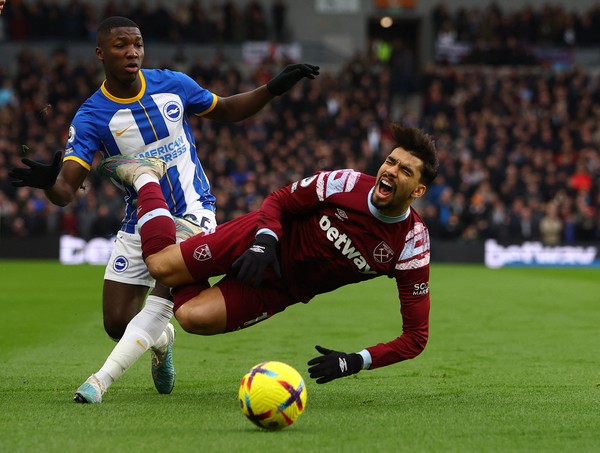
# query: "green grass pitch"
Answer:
x=512 y=365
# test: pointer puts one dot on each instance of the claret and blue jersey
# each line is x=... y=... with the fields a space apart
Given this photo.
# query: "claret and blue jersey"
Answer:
x=152 y=124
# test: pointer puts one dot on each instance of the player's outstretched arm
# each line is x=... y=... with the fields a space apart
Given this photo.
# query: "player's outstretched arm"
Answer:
x=290 y=76
x=58 y=182
x=333 y=365
x=240 y=106
x=36 y=174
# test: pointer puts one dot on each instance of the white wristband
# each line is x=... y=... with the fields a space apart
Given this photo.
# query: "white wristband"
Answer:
x=367 y=360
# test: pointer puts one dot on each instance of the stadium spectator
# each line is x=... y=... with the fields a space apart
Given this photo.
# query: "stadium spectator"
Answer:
x=551 y=226
x=279 y=19
x=529 y=127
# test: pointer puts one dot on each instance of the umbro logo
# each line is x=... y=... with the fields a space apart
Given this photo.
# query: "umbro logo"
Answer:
x=341 y=214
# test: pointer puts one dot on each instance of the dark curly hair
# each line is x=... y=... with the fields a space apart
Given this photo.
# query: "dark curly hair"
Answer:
x=421 y=145
x=108 y=24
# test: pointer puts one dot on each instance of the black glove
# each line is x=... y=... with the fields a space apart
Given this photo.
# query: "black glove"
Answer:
x=37 y=175
x=250 y=267
x=333 y=365
x=291 y=74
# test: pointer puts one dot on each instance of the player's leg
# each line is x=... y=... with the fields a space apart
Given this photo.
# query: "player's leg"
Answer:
x=227 y=306
x=128 y=171
x=154 y=318
x=120 y=303
x=150 y=328
x=203 y=314
x=126 y=284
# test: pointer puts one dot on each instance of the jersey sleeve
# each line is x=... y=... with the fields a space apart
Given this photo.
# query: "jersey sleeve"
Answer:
x=84 y=140
x=199 y=101
x=298 y=198
x=412 y=281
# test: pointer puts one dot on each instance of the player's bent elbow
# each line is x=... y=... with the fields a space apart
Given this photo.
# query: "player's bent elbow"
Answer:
x=420 y=343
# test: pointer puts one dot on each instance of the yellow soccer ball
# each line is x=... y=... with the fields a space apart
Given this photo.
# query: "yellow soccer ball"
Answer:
x=272 y=395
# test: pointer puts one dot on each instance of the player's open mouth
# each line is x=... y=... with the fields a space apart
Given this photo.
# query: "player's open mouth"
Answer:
x=133 y=67
x=385 y=188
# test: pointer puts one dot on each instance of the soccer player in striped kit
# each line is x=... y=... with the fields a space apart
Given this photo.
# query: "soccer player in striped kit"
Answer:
x=318 y=234
x=143 y=113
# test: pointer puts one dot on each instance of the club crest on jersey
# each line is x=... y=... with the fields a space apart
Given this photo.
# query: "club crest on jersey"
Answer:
x=172 y=111
x=71 y=134
x=383 y=253
x=202 y=253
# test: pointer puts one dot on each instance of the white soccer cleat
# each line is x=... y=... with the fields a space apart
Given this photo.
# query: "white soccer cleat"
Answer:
x=185 y=229
x=163 y=370
x=90 y=391
x=126 y=170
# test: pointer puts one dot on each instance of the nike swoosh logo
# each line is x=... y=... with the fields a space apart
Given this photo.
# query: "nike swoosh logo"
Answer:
x=140 y=344
x=119 y=133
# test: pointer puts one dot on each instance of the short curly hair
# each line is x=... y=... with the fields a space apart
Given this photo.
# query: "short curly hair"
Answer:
x=108 y=24
x=421 y=145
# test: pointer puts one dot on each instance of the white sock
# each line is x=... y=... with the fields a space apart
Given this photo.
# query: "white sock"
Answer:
x=143 y=179
x=145 y=330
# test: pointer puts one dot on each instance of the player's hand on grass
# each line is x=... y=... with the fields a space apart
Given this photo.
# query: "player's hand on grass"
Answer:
x=291 y=75
x=36 y=174
x=250 y=267
x=333 y=365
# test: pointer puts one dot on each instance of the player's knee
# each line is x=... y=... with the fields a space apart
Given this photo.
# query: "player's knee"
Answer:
x=191 y=325
x=197 y=321
x=116 y=321
x=114 y=329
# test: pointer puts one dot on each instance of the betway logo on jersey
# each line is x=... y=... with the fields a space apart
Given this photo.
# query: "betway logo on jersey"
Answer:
x=169 y=151
x=344 y=244
x=415 y=253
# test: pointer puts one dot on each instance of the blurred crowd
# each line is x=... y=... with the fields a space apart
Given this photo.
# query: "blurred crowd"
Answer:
x=519 y=154
x=494 y=36
x=189 y=20
x=518 y=147
x=555 y=24
x=323 y=124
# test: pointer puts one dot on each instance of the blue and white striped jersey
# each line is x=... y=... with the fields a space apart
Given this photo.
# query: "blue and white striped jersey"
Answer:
x=153 y=123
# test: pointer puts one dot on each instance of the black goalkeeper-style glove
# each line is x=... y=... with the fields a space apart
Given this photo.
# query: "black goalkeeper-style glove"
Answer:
x=41 y=176
x=291 y=75
x=250 y=267
x=333 y=365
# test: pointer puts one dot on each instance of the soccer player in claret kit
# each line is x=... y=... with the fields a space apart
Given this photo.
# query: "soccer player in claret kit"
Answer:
x=316 y=235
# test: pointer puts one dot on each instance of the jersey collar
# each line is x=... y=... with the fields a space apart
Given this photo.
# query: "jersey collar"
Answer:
x=137 y=97
x=385 y=218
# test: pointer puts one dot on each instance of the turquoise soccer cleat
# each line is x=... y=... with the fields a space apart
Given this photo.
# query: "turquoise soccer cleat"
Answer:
x=163 y=371
x=90 y=391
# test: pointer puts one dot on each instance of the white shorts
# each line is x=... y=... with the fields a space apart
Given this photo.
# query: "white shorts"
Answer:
x=126 y=264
